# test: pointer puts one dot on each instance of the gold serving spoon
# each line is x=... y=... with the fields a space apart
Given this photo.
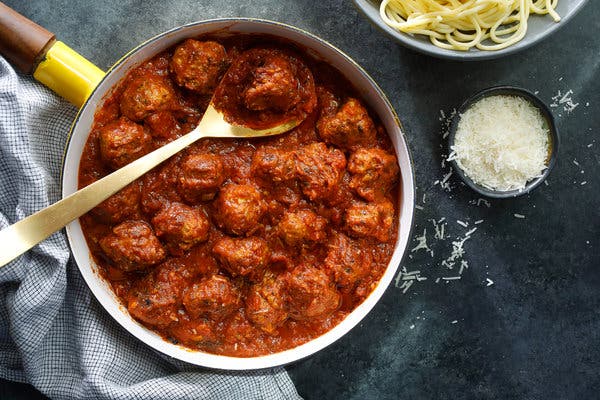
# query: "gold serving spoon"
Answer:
x=16 y=239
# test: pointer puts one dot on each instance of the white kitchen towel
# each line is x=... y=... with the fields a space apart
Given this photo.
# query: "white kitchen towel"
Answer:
x=53 y=333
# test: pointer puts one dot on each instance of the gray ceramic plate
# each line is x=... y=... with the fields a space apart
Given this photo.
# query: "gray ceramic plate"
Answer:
x=539 y=27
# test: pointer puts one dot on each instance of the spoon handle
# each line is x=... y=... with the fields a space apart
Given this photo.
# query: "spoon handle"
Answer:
x=23 y=235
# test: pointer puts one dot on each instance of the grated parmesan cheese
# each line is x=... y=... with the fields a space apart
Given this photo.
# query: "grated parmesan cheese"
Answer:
x=501 y=142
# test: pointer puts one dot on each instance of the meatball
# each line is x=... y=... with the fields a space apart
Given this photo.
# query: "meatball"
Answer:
x=264 y=304
x=156 y=298
x=159 y=187
x=370 y=220
x=146 y=95
x=310 y=293
x=273 y=164
x=200 y=177
x=243 y=257
x=120 y=206
x=133 y=246
x=350 y=127
x=319 y=170
x=163 y=125
x=346 y=262
x=181 y=226
x=238 y=209
x=195 y=332
x=198 y=66
x=374 y=172
x=123 y=141
x=300 y=227
x=213 y=297
x=274 y=85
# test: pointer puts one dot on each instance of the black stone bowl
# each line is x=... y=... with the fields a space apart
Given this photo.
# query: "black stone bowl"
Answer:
x=553 y=137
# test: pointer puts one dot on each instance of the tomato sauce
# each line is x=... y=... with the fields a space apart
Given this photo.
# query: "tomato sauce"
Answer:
x=242 y=247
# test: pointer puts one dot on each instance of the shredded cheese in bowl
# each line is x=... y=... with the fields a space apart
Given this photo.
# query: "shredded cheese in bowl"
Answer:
x=501 y=142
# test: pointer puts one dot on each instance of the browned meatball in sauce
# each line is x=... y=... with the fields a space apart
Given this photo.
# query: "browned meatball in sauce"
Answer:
x=181 y=226
x=370 y=220
x=238 y=209
x=349 y=127
x=156 y=298
x=132 y=246
x=302 y=227
x=198 y=65
x=159 y=187
x=146 y=95
x=264 y=304
x=215 y=297
x=374 y=172
x=200 y=177
x=123 y=141
x=310 y=293
x=319 y=170
x=346 y=262
x=120 y=206
x=274 y=85
x=246 y=257
x=273 y=164
x=194 y=332
x=163 y=125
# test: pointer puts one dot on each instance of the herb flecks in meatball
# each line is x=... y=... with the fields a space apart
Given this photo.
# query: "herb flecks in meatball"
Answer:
x=310 y=293
x=120 y=206
x=302 y=227
x=274 y=85
x=156 y=298
x=349 y=127
x=374 y=172
x=238 y=209
x=319 y=170
x=273 y=164
x=146 y=95
x=195 y=332
x=198 y=65
x=347 y=262
x=200 y=177
x=214 y=297
x=123 y=141
x=163 y=125
x=181 y=226
x=132 y=246
x=265 y=306
x=247 y=257
x=373 y=220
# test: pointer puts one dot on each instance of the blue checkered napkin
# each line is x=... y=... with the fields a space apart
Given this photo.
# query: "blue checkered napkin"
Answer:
x=53 y=333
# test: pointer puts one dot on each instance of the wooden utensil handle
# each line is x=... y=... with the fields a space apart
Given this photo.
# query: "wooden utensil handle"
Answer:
x=23 y=42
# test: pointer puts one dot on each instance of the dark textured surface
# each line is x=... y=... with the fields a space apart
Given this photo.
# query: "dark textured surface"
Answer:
x=534 y=333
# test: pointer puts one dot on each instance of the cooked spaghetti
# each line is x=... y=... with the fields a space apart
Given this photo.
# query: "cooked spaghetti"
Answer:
x=464 y=24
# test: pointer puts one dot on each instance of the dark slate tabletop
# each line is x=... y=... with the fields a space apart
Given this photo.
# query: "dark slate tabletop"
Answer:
x=523 y=320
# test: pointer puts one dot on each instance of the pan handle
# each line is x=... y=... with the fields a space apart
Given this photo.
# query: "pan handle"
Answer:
x=33 y=49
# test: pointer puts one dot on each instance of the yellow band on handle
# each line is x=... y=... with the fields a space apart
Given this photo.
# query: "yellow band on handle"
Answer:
x=68 y=74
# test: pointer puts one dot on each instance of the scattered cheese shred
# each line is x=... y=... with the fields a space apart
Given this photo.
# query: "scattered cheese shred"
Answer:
x=422 y=243
x=501 y=142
